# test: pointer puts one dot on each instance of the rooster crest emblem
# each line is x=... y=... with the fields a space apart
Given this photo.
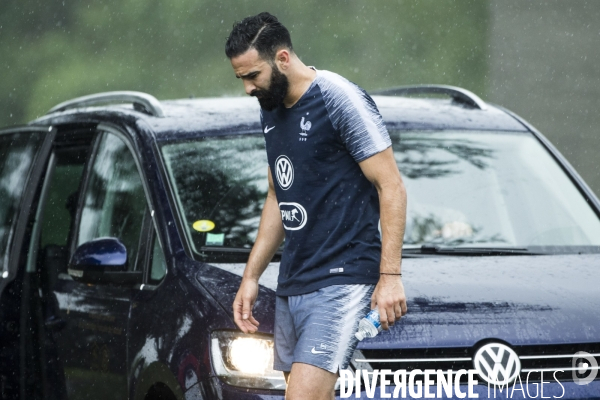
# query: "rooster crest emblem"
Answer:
x=305 y=126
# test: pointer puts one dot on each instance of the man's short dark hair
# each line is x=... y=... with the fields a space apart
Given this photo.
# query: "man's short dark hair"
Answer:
x=263 y=32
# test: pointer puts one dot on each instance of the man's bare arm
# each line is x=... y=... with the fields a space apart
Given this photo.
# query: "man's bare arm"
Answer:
x=382 y=171
x=269 y=238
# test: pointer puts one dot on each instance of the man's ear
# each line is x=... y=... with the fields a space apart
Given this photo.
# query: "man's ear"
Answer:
x=283 y=58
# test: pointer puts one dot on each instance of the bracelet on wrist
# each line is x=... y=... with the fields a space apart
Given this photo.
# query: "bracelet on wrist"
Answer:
x=386 y=273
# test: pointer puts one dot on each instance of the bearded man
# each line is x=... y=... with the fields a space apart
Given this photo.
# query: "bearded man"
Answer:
x=332 y=181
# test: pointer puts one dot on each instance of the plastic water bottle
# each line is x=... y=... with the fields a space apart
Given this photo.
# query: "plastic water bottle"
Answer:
x=369 y=326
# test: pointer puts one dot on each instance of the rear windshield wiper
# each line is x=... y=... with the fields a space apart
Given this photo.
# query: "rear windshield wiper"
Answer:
x=472 y=251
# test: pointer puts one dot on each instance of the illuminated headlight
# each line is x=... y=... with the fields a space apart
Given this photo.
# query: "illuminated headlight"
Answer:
x=245 y=360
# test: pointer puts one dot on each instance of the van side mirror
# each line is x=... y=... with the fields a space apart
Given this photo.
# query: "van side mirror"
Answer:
x=102 y=260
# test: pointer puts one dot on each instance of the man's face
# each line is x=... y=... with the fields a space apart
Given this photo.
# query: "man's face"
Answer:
x=261 y=79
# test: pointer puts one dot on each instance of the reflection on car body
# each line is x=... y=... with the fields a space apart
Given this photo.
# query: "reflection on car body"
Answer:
x=124 y=233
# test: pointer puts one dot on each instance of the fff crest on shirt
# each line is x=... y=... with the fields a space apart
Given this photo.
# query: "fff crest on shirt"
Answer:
x=305 y=126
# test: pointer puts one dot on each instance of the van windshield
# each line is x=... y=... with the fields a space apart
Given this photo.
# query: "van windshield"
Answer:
x=492 y=189
x=465 y=189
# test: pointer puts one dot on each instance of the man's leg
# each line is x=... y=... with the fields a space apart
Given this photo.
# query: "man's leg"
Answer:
x=285 y=337
x=307 y=382
x=325 y=322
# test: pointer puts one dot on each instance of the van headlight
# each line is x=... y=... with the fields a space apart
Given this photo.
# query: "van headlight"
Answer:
x=245 y=360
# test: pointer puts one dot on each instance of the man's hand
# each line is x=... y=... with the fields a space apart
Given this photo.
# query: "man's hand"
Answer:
x=243 y=304
x=382 y=171
x=270 y=236
x=390 y=299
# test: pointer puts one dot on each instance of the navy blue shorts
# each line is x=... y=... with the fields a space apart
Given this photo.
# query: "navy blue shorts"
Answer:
x=318 y=328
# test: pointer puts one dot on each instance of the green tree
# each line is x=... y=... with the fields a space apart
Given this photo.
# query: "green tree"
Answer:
x=55 y=50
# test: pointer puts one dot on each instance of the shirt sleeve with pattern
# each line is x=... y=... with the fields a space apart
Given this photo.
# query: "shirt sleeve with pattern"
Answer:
x=354 y=115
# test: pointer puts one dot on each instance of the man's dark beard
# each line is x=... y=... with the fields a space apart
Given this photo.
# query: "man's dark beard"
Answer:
x=272 y=97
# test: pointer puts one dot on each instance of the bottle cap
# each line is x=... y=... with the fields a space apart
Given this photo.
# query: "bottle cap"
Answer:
x=359 y=335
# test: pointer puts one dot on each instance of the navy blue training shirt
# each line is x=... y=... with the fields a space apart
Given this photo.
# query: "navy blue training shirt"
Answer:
x=329 y=210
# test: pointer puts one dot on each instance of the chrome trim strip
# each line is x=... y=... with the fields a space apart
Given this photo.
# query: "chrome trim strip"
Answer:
x=555 y=356
x=384 y=360
x=555 y=369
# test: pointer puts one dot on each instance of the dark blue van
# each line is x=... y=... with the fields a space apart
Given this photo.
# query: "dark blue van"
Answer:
x=125 y=224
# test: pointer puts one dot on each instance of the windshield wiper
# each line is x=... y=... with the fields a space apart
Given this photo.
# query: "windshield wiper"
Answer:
x=229 y=254
x=472 y=251
x=240 y=254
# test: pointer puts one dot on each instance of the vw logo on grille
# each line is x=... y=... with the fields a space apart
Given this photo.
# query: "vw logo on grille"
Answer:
x=284 y=172
x=497 y=364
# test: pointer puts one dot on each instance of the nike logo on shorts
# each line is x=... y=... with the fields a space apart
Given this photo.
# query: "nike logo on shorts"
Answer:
x=317 y=351
x=267 y=129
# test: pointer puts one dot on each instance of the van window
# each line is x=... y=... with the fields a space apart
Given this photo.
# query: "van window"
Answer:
x=114 y=201
x=17 y=154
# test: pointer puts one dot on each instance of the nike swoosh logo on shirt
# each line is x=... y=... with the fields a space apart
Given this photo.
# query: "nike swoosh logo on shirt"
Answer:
x=317 y=351
x=267 y=129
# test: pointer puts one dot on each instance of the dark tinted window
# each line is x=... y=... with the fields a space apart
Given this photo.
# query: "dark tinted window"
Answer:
x=58 y=215
x=114 y=201
x=61 y=200
x=17 y=153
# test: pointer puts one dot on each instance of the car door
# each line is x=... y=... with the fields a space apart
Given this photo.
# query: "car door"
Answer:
x=93 y=343
x=24 y=154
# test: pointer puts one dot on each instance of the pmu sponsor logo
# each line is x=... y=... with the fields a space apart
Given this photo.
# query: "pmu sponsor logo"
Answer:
x=293 y=216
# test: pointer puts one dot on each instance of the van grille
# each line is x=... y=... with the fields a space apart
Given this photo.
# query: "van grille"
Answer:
x=534 y=360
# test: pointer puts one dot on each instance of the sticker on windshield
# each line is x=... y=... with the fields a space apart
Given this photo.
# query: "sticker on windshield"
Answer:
x=215 y=239
x=203 y=225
